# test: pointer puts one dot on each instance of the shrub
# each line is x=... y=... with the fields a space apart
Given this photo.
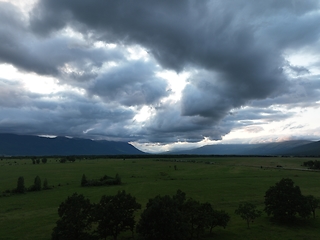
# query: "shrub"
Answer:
x=103 y=181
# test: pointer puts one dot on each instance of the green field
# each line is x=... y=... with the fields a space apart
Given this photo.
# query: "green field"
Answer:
x=225 y=183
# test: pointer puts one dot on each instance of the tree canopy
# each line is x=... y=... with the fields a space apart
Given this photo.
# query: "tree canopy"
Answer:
x=248 y=212
x=175 y=217
x=163 y=218
x=285 y=202
x=115 y=214
x=75 y=219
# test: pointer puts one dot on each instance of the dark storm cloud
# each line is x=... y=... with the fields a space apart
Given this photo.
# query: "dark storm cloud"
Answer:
x=302 y=92
x=45 y=56
x=131 y=83
x=167 y=125
x=71 y=115
x=217 y=36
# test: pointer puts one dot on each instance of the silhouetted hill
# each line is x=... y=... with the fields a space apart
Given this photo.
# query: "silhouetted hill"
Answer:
x=311 y=149
x=23 y=145
x=297 y=147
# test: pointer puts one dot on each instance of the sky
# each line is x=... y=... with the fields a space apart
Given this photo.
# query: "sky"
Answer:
x=161 y=75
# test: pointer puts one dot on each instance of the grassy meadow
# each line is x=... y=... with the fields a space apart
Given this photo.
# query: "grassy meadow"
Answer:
x=225 y=183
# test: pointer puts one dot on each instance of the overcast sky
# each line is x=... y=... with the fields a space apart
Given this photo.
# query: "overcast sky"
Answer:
x=161 y=74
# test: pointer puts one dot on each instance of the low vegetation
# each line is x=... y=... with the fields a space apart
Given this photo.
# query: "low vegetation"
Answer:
x=103 y=181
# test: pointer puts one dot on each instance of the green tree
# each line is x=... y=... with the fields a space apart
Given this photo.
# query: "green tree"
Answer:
x=198 y=216
x=75 y=219
x=284 y=201
x=218 y=218
x=314 y=203
x=164 y=218
x=36 y=185
x=44 y=160
x=20 y=185
x=248 y=212
x=115 y=214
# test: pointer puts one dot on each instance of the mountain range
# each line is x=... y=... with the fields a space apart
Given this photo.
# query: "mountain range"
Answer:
x=287 y=148
x=24 y=145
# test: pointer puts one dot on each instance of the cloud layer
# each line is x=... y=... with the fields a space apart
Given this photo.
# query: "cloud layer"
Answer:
x=241 y=59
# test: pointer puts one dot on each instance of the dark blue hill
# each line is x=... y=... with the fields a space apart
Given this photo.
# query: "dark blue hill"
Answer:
x=311 y=149
x=297 y=147
x=24 y=145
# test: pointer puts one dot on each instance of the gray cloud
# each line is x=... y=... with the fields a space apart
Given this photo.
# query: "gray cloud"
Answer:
x=46 y=56
x=131 y=83
x=62 y=113
x=169 y=125
x=209 y=35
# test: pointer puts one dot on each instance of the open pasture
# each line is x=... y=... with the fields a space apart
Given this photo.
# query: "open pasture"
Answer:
x=223 y=181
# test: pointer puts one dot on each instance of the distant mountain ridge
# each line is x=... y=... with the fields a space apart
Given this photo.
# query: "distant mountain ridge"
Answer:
x=295 y=148
x=25 y=145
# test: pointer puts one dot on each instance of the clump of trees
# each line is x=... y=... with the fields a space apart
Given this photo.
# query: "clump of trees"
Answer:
x=21 y=188
x=312 y=164
x=36 y=160
x=103 y=181
x=175 y=217
x=68 y=158
x=165 y=217
x=112 y=215
x=284 y=202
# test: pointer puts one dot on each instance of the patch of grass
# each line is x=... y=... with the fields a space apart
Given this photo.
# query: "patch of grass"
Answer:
x=225 y=183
